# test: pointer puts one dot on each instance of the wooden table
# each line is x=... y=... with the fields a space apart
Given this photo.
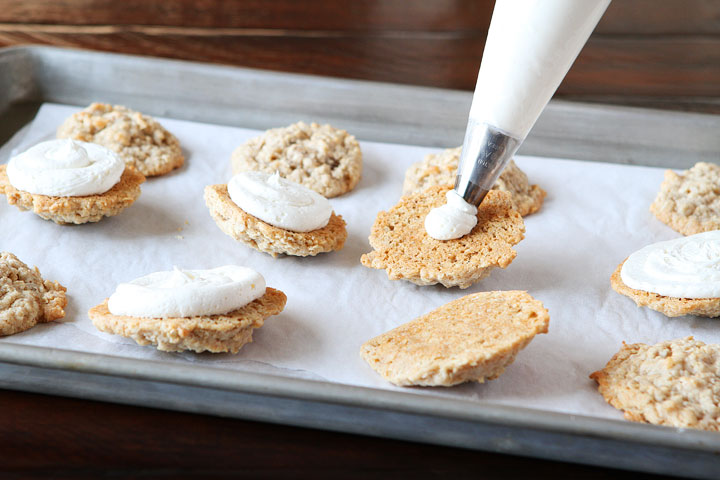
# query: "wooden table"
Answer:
x=661 y=54
x=45 y=436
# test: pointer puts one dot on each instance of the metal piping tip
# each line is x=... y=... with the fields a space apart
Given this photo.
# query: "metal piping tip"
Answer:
x=486 y=150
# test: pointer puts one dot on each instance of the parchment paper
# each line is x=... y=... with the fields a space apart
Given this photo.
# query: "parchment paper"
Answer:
x=594 y=216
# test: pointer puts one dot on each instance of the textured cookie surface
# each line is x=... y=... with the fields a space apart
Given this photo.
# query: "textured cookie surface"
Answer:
x=77 y=210
x=675 y=383
x=690 y=202
x=438 y=169
x=215 y=333
x=670 y=306
x=267 y=238
x=25 y=298
x=322 y=158
x=139 y=139
x=473 y=338
x=403 y=248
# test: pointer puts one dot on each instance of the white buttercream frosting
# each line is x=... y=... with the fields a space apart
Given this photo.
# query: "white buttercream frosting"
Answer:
x=687 y=267
x=65 y=168
x=455 y=219
x=279 y=202
x=187 y=293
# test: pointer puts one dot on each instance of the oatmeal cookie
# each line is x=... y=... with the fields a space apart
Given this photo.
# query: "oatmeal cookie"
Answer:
x=320 y=157
x=670 y=306
x=246 y=228
x=77 y=210
x=441 y=169
x=473 y=338
x=404 y=249
x=139 y=139
x=214 y=333
x=689 y=202
x=674 y=383
x=25 y=298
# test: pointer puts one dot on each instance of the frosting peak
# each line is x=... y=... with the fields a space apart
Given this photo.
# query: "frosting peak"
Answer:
x=65 y=168
x=279 y=202
x=453 y=220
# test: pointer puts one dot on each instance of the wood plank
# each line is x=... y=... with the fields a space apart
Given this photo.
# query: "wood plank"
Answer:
x=55 y=437
x=431 y=15
x=652 y=17
x=637 y=17
x=619 y=66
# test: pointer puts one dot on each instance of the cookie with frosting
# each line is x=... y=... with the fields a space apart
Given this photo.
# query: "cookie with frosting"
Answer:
x=676 y=277
x=402 y=246
x=70 y=182
x=438 y=169
x=674 y=383
x=140 y=140
x=473 y=338
x=322 y=158
x=275 y=216
x=213 y=310
x=26 y=299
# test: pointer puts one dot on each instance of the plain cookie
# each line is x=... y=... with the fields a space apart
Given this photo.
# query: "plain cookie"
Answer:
x=320 y=157
x=675 y=383
x=670 y=306
x=139 y=139
x=25 y=298
x=403 y=248
x=438 y=169
x=252 y=231
x=473 y=338
x=215 y=333
x=76 y=210
x=689 y=203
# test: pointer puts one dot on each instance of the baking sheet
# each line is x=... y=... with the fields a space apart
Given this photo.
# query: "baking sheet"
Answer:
x=594 y=216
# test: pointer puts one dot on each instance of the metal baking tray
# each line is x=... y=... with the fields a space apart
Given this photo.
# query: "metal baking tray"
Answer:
x=259 y=99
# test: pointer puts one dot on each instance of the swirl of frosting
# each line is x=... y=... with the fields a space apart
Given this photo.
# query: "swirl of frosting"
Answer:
x=453 y=220
x=279 y=202
x=687 y=267
x=187 y=293
x=65 y=168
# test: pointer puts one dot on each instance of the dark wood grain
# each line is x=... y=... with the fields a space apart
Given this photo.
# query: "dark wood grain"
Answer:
x=644 y=52
x=65 y=438
x=618 y=67
x=434 y=15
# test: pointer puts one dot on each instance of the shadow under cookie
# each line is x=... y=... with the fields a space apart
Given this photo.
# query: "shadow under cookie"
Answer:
x=267 y=238
x=403 y=248
x=214 y=333
x=669 y=306
x=79 y=209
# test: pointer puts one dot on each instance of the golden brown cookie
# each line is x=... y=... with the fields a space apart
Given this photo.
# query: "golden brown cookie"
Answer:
x=670 y=306
x=25 y=298
x=441 y=169
x=215 y=333
x=242 y=226
x=77 y=210
x=689 y=203
x=675 y=383
x=404 y=249
x=139 y=139
x=473 y=338
x=320 y=157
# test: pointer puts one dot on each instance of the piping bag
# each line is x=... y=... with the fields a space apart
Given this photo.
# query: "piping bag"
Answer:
x=530 y=47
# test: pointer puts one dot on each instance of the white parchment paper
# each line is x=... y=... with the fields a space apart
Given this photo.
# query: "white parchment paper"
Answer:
x=594 y=216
